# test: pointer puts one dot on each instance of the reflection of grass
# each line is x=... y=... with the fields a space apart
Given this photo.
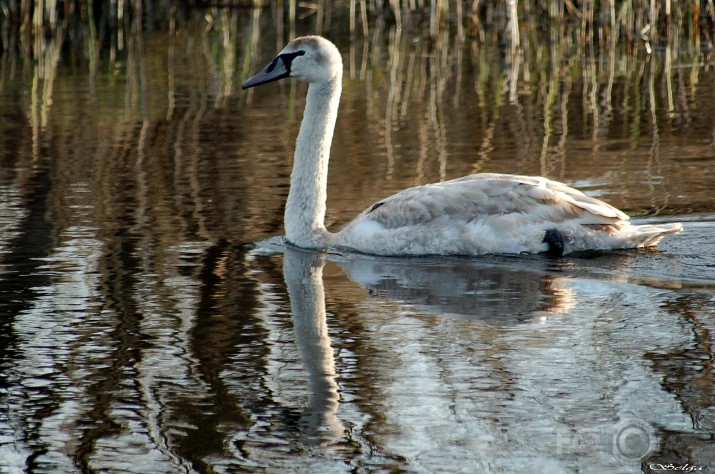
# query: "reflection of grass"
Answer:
x=538 y=73
x=530 y=48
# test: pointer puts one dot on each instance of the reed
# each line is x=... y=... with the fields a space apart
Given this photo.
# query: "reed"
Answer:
x=637 y=23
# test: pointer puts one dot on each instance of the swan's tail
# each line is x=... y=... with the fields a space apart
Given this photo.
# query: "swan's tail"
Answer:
x=648 y=235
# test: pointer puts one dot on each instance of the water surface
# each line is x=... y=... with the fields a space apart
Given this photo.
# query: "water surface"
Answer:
x=153 y=320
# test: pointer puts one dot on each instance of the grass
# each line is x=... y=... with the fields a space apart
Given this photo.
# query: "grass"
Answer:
x=25 y=24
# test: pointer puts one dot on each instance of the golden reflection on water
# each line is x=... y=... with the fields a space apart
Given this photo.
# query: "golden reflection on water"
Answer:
x=430 y=109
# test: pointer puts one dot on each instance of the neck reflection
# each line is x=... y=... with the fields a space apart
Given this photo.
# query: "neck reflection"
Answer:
x=303 y=273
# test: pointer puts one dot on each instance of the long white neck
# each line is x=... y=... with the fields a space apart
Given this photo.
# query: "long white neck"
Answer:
x=304 y=217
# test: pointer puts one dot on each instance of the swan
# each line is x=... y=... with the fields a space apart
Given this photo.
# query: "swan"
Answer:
x=484 y=213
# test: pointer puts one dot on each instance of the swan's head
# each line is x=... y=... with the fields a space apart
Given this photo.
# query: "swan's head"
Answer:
x=309 y=58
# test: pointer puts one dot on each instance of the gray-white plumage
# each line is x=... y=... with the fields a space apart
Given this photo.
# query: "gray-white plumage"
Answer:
x=474 y=215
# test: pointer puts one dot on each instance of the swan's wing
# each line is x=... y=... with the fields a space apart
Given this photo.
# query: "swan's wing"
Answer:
x=482 y=195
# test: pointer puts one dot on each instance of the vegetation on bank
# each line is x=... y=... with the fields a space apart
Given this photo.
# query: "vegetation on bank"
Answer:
x=25 y=24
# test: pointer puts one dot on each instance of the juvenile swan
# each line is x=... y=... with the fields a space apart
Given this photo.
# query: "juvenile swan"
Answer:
x=474 y=215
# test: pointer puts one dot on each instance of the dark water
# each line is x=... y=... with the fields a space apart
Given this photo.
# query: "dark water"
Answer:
x=152 y=321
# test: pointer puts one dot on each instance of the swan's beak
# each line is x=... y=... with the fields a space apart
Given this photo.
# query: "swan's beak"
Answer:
x=277 y=69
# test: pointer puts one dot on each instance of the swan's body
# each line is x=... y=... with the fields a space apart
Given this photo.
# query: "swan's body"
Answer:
x=473 y=215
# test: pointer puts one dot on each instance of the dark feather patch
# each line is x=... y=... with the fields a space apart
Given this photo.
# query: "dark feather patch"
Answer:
x=555 y=241
x=375 y=207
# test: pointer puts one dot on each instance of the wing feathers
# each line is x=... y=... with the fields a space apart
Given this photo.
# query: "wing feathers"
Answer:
x=483 y=195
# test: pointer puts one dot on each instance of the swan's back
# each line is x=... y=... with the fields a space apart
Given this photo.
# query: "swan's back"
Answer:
x=494 y=213
x=476 y=196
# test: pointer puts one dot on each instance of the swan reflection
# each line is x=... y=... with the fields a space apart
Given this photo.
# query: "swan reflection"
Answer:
x=303 y=273
x=496 y=290
x=490 y=288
